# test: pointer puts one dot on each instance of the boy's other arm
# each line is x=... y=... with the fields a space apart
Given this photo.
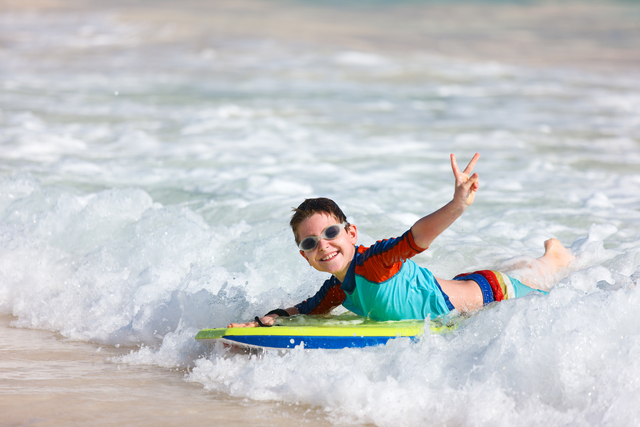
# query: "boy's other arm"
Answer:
x=328 y=297
x=426 y=229
x=266 y=320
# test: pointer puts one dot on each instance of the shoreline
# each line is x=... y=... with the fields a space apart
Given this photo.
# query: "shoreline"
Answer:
x=47 y=380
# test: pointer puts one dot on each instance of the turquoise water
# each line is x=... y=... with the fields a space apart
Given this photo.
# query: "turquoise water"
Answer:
x=148 y=168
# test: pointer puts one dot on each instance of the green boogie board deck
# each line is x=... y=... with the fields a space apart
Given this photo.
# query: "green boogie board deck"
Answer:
x=330 y=333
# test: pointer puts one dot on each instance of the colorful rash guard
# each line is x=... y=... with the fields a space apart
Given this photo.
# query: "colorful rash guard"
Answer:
x=382 y=283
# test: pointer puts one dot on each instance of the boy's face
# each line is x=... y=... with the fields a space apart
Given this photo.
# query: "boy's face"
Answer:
x=331 y=256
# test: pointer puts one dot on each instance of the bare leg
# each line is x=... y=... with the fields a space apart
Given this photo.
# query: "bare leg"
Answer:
x=541 y=273
x=464 y=295
x=544 y=272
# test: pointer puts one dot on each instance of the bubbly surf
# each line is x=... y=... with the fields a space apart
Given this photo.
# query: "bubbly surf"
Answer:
x=146 y=182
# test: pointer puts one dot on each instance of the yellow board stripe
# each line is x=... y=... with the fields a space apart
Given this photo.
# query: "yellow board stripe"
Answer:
x=405 y=330
x=410 y=328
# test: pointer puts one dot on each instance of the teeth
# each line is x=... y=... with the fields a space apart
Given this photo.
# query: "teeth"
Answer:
x=330 y=256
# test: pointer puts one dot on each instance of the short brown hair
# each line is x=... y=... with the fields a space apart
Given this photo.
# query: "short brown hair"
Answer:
x=310 y=207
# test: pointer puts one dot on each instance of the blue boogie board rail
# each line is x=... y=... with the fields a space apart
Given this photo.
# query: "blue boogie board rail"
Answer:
x=309 y=342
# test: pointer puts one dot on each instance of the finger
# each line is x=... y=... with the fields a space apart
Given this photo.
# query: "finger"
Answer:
x=474 y=184
x=470 y=184
x=268 y=320
x=454 y=166
x=243 y=325
x=472 y=163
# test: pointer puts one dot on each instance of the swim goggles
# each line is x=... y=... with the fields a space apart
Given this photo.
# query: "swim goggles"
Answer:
x=332 y=232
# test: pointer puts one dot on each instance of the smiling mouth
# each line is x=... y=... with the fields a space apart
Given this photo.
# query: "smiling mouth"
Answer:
x=330 y=256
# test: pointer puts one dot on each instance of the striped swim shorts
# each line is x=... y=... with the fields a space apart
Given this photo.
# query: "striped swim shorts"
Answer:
x=497 y=286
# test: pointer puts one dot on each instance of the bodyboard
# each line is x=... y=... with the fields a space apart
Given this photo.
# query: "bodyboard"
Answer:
x=346 y=331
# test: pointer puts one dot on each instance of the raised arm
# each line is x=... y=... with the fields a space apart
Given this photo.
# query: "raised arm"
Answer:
x=426 y=229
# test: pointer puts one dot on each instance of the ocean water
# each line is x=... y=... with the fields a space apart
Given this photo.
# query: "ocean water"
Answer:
x=150 y=157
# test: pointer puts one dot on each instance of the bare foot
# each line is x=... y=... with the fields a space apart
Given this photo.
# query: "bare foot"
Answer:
x=556 y=256
x=544 y=272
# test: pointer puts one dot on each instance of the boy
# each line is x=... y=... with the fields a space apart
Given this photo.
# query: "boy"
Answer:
x=381 y=282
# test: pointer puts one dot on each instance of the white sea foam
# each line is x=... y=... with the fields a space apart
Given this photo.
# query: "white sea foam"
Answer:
x=139 y=207
x=524 y=362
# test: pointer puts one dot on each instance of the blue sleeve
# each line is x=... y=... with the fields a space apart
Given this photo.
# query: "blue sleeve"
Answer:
x=326 y=299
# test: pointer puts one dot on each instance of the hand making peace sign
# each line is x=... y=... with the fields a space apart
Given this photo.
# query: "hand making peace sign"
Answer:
x=466 y=186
